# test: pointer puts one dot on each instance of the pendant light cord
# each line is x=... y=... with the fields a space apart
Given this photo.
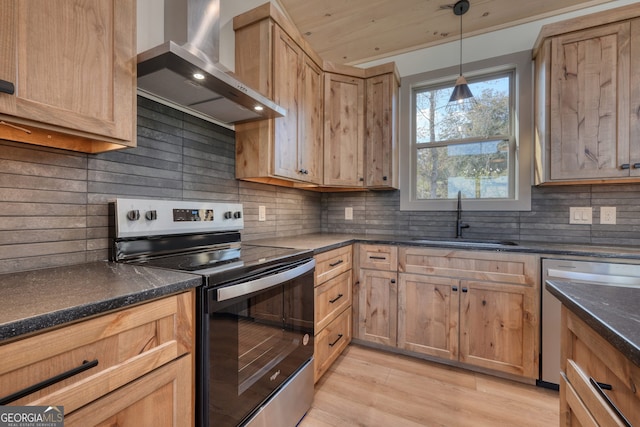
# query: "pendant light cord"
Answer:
x=461 y=44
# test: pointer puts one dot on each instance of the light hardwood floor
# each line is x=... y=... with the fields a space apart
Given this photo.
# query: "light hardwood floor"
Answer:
x=368 y=387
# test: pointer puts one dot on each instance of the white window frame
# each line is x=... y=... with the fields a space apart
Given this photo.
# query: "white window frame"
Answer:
x=523 y=130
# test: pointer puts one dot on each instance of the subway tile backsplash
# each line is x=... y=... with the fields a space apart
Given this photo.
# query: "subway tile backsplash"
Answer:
x=54 y=203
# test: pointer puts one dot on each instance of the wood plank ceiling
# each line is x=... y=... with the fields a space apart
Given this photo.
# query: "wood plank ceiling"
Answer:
x=357 y=31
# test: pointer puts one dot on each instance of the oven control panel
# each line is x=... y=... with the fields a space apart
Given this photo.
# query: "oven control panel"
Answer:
x=148 y=217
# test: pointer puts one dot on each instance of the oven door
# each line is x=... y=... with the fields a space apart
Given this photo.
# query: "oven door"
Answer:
x=257 y=333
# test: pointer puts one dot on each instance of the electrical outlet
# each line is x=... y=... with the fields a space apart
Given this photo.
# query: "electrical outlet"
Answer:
x=348 y=214
x=581 y=215
x=607 y=215
x=262 y=213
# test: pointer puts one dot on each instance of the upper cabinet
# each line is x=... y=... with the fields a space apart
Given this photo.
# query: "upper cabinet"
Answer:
x=68 y=73
x=340 y=127
x=285 y=150
x=343 y=130
x=587 y=98
x=381 y=133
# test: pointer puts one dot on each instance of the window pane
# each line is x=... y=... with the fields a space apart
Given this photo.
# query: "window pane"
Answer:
x=488 y=117
x=480 y=170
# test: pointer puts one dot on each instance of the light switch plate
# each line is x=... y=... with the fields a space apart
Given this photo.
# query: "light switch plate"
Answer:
x=581 y=215
x=607 y=215
x=348 y=214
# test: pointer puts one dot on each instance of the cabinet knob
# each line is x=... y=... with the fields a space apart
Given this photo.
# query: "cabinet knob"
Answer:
x=7 y=87
x=636 y=165
x=624 y=166
x=465 y=290
x=361 y=179
x=393 y=280
x=384 y=178
x=454 y=288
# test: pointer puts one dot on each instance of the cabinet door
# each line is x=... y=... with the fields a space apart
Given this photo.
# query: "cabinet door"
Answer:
x=378 y=306
x=498 y=327
x=590 y=103
x=634 y=98
x=285 y=86
x=72 y=64
x=161 y=398
x=310 y=147
x=381 y=132
x=428 y=315
x=343 y=130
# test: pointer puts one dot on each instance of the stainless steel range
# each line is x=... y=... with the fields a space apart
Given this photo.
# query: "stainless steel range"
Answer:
x=255 y=307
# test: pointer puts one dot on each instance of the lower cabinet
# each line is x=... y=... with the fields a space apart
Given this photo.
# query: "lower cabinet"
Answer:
x=475 y=307
x=128 y=367
x=333 y=301
x=598 y=384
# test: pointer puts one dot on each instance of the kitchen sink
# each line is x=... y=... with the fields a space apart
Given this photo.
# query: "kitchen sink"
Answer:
x=465 y=242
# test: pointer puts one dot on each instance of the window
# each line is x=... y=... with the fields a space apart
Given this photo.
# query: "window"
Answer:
x=475 y=149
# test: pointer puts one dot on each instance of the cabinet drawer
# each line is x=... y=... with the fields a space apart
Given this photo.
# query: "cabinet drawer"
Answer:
x=379 y=257
x=330 y=342
x=331 y=298
x=126 y=345
x=577 y=414
x=589 y=356
x=332 y=263
x=490 y=266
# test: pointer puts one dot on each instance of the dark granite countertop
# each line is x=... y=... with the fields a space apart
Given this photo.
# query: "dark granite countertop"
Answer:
x=39 y=299
x=612 y=311
x=321 y=242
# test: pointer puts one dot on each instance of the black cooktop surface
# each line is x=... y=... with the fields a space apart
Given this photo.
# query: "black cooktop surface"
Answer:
x=225 y=264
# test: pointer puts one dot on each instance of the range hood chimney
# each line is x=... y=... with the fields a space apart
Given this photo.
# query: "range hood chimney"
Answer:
x=185 y=69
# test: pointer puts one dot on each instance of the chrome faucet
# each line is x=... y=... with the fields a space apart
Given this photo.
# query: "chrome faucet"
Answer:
x=459 y=224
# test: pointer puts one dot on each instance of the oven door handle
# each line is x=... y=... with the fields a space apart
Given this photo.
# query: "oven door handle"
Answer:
x=245 y=288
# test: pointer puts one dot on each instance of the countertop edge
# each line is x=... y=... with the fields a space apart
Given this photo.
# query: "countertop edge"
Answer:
x=610 y=334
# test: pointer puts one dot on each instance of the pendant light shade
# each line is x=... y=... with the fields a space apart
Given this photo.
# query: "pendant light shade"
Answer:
x=461 y=90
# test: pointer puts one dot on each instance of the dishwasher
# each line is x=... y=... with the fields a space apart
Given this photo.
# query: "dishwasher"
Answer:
x=562 y=270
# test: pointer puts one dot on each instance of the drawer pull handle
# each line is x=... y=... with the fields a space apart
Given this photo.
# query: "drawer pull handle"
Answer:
x=454 y=288
x=377 y=257
x=636 y=165
x=624 y=166
x=465 y=290
x=331 y=344
x=600 y=388
x=7 y=87
x=336 y=298
x=338 y=262
x=86 y=365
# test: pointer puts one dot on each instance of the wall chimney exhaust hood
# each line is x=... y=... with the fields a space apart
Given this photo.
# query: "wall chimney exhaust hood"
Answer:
x=185 y=70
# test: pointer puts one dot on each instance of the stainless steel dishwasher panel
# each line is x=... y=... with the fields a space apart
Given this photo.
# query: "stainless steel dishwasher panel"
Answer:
x=575 y=271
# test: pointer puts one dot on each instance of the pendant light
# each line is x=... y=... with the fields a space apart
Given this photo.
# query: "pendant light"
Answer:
x=461 y=91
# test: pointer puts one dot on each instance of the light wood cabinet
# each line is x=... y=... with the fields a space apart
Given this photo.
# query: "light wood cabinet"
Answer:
x=289 y=148
x=73 y=68
x=381 y=131
x=340 y=130
x=343 y=130
x=150 y=345
x=333 y=301
x=587 y=90
x=377 y=294
x=586 y=356
x=477 y=307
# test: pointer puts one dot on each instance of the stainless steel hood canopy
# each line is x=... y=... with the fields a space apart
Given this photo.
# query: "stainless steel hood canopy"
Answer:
x=184 y=70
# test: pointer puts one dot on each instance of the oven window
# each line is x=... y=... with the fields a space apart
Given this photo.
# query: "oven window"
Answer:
x=255 y=344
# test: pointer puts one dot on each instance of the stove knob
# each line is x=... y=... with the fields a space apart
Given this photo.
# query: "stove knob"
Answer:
x=151 y=215
x=237 y=215
x=133 y=215
x=228 y=215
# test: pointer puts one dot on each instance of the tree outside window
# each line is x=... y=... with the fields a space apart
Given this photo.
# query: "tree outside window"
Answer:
x=467 y=149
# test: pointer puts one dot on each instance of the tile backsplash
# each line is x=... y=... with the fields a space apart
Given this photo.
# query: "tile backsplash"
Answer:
x=54 y=203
